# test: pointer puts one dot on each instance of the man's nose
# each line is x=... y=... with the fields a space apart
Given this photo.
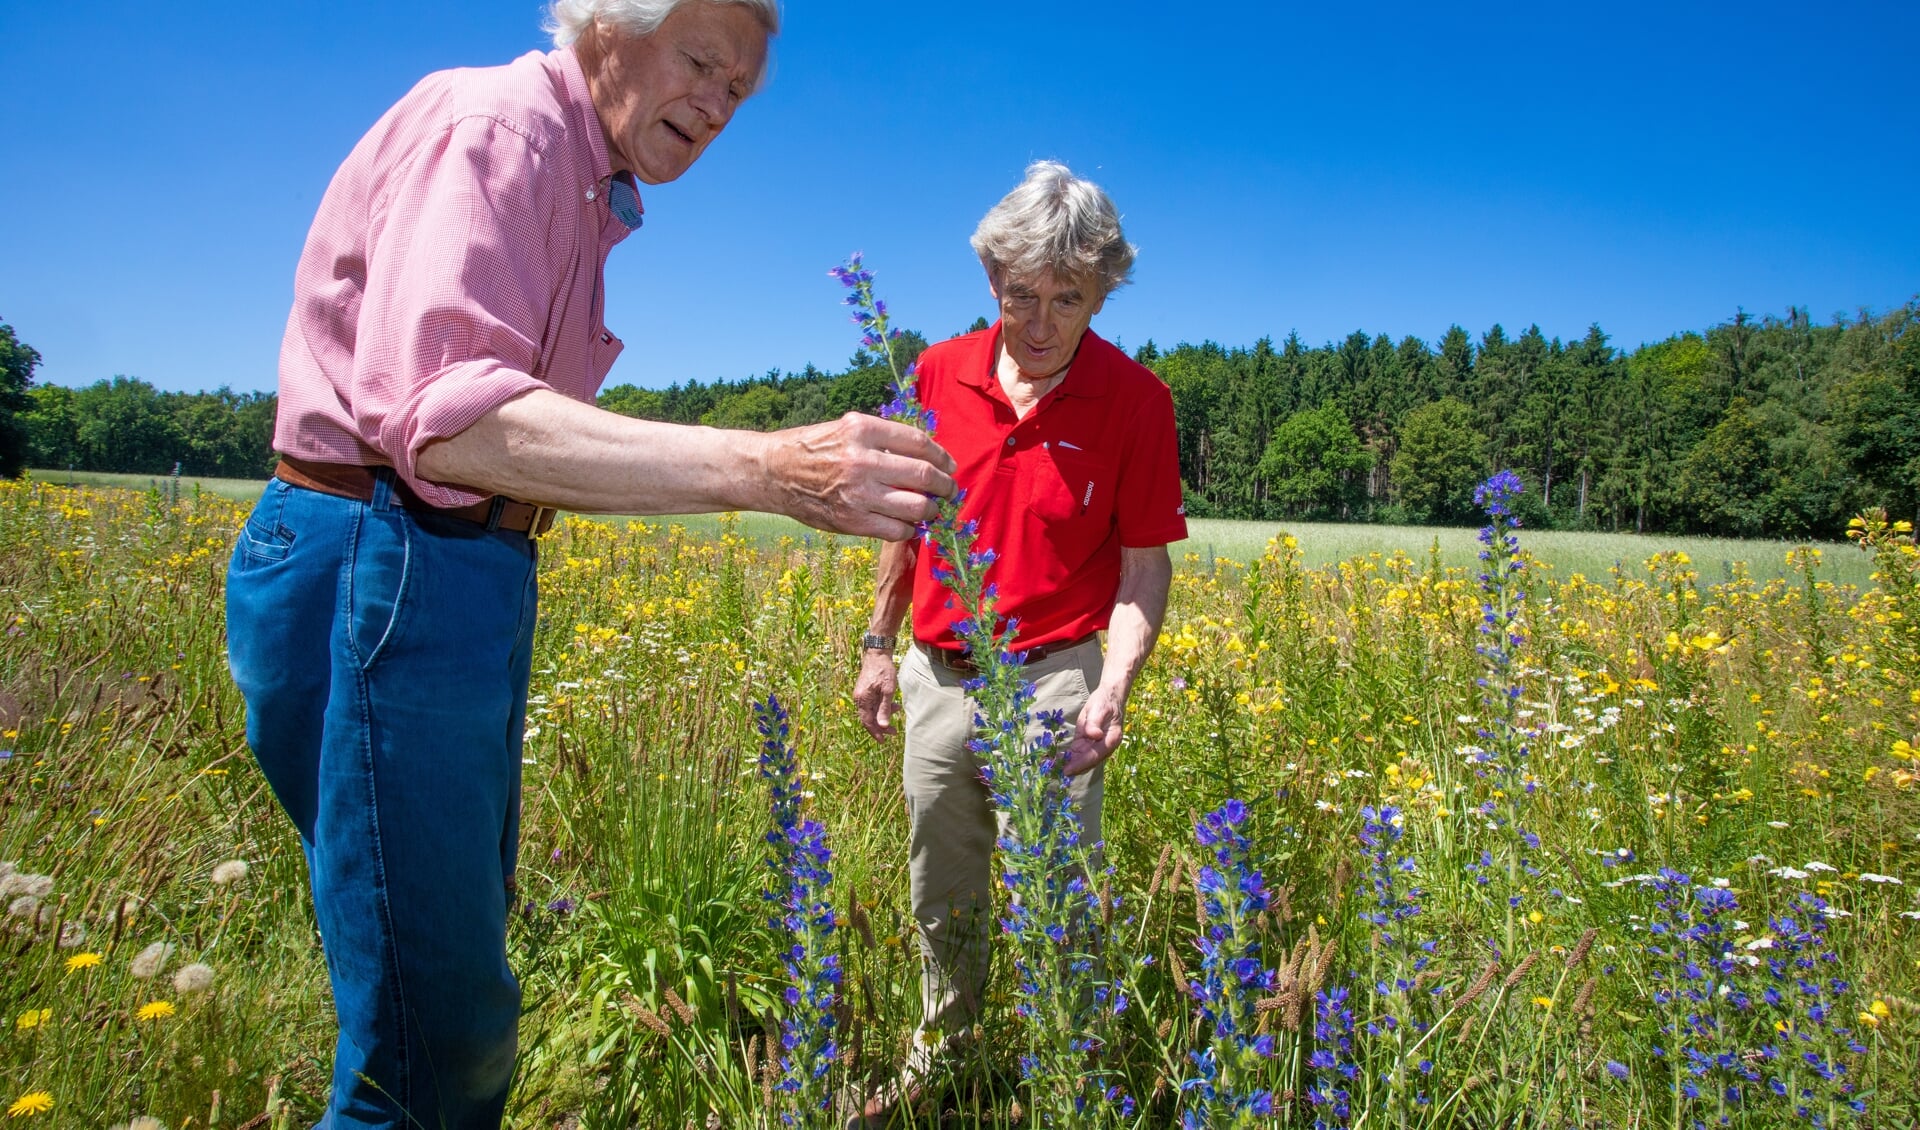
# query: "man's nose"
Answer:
x=711 y=100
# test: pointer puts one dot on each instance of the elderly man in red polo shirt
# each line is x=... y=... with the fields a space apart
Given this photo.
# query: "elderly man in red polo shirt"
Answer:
x=1066 y=449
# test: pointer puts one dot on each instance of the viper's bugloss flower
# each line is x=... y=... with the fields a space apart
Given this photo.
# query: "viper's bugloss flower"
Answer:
x=1747 y=1032
x=1332 y=1065
x=1501 y=758
x=798 y=861
x=1054 y=925
x=1225 y=1087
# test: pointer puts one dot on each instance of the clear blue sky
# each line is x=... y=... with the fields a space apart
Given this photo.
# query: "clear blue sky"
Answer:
x=1321 y=168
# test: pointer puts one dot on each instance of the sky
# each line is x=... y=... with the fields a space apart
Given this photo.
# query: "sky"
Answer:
x=1385 y=167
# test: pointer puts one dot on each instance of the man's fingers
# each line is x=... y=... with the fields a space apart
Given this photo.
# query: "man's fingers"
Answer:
x=911 y=442
x=903 y=469
x=875 y=526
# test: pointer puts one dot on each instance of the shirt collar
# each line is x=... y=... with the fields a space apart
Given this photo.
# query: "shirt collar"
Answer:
x=1088 y=377
x=600 y=177
x=573 y=81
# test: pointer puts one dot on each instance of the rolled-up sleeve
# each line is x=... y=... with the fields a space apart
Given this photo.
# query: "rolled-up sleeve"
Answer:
x=462 y=273
x=1150 y=510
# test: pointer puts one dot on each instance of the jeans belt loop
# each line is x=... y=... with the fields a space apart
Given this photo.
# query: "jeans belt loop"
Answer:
x=382 y=488
x=494 y=511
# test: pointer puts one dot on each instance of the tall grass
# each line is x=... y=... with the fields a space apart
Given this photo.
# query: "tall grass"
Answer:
x=1736 y=725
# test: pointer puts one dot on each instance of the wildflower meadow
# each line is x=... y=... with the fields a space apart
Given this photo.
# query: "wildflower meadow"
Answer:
x=1390 y=842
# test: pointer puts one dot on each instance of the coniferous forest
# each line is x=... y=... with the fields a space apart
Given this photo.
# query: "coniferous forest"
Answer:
x=1758 y=427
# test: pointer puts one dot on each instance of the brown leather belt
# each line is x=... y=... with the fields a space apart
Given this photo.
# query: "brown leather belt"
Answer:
x=348 y=480
x=963 y=663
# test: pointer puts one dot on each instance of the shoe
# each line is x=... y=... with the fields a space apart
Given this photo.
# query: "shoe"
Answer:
x=894 y=1096
x=905 y=1092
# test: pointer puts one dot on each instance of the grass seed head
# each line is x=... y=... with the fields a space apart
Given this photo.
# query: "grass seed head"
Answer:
x=648 y=1018
x=1582 y=947
x=1480 y=985
x=1160 y=871
x=678 y=1006
x=1521 y=970
x=1583 y=1000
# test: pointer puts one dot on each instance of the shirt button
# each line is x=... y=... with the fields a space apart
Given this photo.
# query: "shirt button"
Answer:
x=1009 y=441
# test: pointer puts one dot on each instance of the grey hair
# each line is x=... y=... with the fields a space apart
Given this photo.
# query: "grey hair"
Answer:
x=1057 y=223
x=566 y=19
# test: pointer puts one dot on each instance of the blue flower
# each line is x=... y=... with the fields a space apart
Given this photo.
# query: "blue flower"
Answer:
x=798 y=862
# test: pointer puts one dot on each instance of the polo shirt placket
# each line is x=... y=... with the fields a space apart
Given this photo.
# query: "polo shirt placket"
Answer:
x=1055 y=493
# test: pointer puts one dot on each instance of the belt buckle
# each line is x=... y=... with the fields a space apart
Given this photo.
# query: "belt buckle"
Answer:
x=540 y=514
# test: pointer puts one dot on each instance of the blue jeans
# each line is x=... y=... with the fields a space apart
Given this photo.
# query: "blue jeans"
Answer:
x=384 y=657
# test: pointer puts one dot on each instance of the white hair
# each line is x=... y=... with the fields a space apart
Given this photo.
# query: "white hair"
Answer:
x=1059 y=224
x=566 y=19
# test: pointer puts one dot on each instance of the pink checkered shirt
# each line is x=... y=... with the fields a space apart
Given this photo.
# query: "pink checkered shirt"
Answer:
x=456 y=262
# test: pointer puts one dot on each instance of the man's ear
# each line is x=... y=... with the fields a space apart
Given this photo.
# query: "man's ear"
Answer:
x=993 y=284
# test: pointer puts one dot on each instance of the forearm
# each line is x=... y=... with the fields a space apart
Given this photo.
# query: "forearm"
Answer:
x=546 y=448
x=855 y=475
x=893 y=586
x=1139 y=608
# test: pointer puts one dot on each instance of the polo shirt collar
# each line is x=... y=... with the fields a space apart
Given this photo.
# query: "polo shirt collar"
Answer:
x=1088 y=378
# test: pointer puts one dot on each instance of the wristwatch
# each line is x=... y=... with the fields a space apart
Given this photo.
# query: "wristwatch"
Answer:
x=871 y=642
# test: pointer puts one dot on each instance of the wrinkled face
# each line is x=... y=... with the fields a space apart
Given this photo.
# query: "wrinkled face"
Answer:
x=662 y=98
x=1041 y=320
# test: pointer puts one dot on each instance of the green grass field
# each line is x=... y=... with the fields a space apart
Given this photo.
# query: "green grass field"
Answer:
x=1322 y=543
x=1754 y=735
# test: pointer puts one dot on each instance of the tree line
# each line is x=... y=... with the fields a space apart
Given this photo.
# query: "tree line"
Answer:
x=127 y=425
x=1758 y=427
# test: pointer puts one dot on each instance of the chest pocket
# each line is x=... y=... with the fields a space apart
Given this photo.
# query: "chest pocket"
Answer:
x=606 y=349
x=1065 y=485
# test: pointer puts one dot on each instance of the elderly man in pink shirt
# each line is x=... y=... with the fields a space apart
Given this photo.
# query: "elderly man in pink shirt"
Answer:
x=436 y=404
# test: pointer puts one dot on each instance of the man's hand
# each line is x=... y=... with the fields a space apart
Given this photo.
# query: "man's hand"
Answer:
x=858 y=475
x=1096 y=733
x=873 y=694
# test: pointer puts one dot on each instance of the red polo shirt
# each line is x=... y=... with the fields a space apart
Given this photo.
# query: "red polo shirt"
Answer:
x=1093 y=467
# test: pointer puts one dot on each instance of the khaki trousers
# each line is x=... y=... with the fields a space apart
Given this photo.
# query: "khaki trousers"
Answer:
x=950 y=850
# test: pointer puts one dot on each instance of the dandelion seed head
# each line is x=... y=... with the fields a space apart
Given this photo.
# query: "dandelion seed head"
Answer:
x=150 y=961
x=232 y=871
x=194 y=978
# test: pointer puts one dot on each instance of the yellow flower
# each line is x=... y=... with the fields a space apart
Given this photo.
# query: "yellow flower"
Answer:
x=1535 y=917
x=33 y=1018
x=33 y=1102
x=1879 y=1009
x=1543 y=1002
x=81 y=961
x=155 y=1010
